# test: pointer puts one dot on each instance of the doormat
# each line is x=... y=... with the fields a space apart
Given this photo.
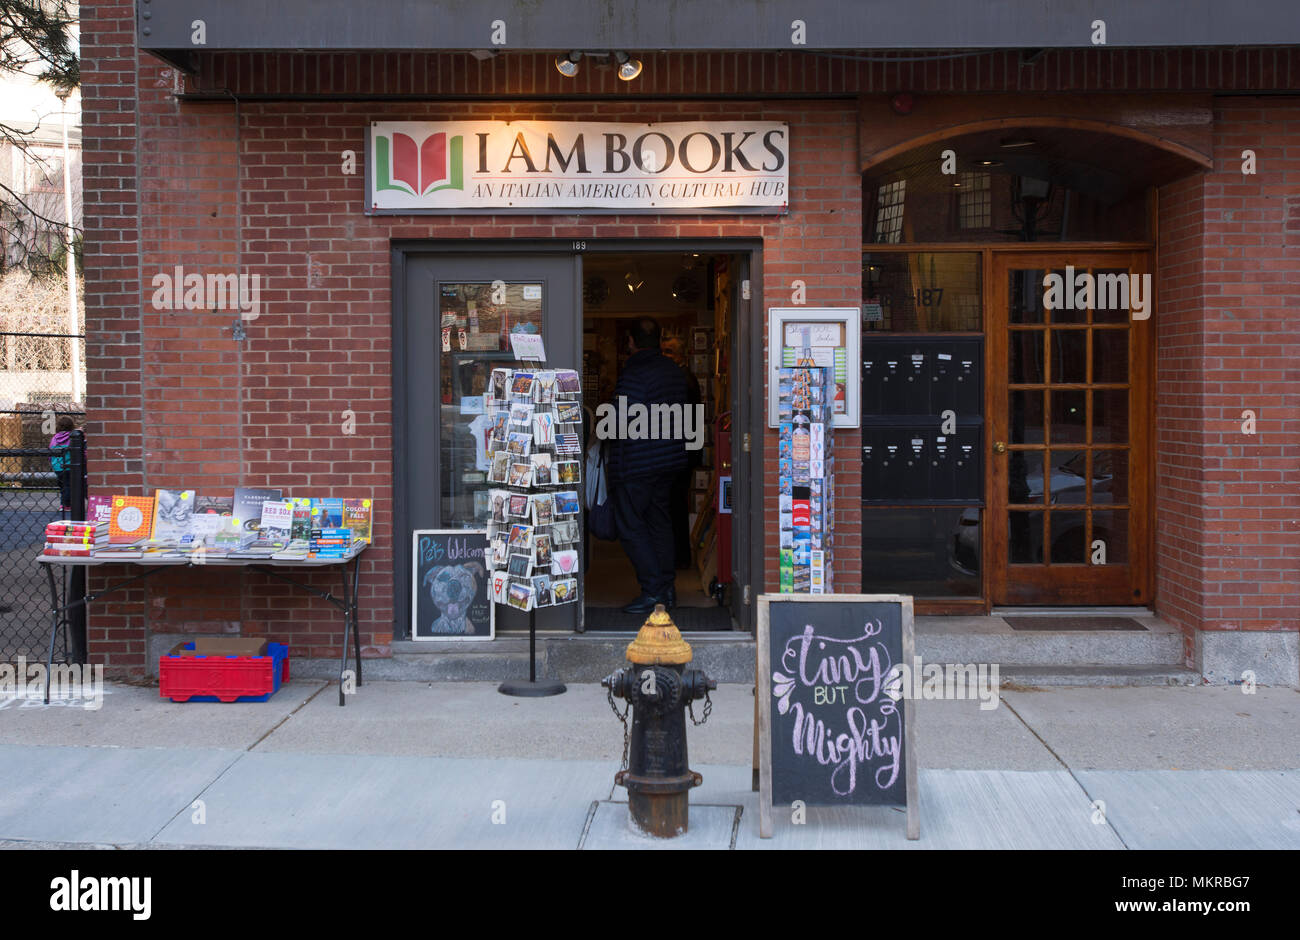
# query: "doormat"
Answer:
x=686 y=618
x=1082 y=623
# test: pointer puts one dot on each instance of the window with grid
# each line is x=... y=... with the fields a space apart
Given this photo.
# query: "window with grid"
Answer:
x=889 y=213
x=974 y=201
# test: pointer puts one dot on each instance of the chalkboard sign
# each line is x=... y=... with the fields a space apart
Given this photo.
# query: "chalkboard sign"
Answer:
x=829 y=734
x=451 y=594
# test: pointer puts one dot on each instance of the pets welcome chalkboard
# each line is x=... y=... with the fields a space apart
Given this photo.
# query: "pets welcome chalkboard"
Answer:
x=829 y=734
x=451 y=592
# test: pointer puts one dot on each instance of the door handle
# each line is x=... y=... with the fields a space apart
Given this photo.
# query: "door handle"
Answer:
x=999 y=447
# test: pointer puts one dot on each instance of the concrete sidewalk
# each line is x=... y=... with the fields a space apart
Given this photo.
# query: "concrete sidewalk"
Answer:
x=457 y=765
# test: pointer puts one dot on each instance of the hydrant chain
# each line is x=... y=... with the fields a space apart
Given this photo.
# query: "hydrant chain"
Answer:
x=609 y=694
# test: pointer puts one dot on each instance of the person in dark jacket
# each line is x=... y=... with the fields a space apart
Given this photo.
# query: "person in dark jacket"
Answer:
x=642 y=466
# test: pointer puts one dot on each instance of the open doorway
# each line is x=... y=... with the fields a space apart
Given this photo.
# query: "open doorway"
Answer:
x=691 y=295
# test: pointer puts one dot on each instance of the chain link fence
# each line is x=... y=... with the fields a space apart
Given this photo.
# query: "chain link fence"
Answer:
x=35 y=391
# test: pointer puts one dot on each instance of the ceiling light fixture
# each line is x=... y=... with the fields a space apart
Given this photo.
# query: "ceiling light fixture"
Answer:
x=628 y=67
x=567 y=65
x=1015 y=143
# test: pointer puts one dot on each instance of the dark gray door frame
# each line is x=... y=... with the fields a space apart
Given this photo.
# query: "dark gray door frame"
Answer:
x=747 y=526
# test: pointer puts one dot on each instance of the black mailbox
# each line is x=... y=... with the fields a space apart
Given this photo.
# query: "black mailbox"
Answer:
x=893 y=382
x=943 y=467
x=872 y=394
x=968 y=462
x=915 y=445
x=956 y=371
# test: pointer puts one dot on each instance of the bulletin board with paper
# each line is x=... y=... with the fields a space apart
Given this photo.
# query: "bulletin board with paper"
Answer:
x=822 y=336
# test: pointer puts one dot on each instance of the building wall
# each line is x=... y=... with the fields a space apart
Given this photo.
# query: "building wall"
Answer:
x=258 y=188
x=218 y=185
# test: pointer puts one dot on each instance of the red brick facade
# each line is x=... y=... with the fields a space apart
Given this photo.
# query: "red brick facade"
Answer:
x=255 y=185
x=1229 y=502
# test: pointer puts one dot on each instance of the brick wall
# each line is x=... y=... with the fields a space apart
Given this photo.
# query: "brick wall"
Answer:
x=1252 y=349
x=1229 y=502
x=260 y=191
x=212 y=185
x=112 y=262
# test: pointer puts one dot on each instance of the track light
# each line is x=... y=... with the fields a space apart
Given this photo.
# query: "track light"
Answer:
x=567 y=65
x=628 y=67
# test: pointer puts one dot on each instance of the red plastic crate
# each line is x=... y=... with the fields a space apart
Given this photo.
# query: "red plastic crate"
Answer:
x=223 y=678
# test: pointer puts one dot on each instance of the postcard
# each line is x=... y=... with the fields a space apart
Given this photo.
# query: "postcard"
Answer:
x=564 y=591
x=520 y=596
x=543 y=509
x=520 y=565
x=543 y=474
x=568 y=472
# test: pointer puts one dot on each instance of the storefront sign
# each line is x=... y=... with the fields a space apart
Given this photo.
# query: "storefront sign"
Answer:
x=830 y=731
x=548 y=167
x=451 y=593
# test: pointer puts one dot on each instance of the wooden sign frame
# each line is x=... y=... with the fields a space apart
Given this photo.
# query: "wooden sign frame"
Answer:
x=416 y=588
x=763 y=701
x=849 y=319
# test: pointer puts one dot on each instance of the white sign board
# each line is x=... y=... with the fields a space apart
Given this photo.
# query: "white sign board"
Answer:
x=544 y=166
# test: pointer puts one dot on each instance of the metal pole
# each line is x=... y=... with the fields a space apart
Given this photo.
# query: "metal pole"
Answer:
x=74 y=353
x=77 y=589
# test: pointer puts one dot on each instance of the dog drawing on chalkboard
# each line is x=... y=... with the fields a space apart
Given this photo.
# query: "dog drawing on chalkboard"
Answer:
x=453 y=588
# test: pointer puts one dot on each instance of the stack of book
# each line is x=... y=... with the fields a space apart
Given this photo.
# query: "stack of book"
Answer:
x=75 y=539
x=252 y=524
x=333 y=542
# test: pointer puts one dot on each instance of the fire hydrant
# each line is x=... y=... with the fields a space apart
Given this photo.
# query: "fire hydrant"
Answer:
x=659 y=692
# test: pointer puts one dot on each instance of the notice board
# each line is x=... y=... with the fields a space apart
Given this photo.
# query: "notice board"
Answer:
x=451 y=595
x=829 y=734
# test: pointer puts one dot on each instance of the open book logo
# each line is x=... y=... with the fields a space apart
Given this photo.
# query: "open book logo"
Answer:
x=419 y=169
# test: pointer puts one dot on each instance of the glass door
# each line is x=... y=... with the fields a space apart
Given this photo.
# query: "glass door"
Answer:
x=1069 y=337
x=457 y=315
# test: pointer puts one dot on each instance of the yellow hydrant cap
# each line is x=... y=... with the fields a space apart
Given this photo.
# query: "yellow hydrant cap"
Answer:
x=659 y=642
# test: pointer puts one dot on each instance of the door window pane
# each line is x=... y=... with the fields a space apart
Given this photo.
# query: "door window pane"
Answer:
x=1113 y=301
x=1110 y=416
x=1069 y=356
x=1025 y=476
x=1069 y=481
x=475 y=326
x=1025 y=537
x=1026 y=295
x=1110 y=477
x=1110 y=355
x=1069 y=417
x=1110 y=526
x=1068 y=537
x=1027 y=417
x=1026 y=350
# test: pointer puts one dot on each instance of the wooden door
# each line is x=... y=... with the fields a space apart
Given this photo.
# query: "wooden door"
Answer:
x=1069 y=418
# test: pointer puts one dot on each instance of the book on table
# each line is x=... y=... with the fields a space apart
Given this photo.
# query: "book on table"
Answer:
x=248 y=508
x=131 y=518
